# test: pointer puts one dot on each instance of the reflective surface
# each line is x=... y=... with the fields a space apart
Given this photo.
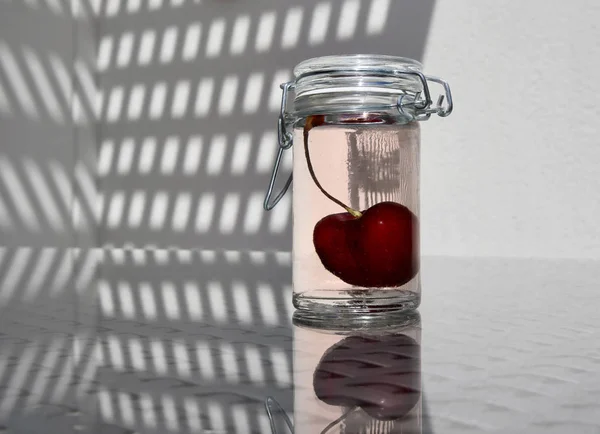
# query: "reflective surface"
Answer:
x=365 y=375
x=177 y=342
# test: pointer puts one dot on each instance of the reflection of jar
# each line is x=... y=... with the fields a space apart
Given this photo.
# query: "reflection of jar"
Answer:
x=356 y=180
x=358 y=377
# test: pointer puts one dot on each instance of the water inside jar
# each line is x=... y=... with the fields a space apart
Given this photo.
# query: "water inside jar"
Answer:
x=361 y=165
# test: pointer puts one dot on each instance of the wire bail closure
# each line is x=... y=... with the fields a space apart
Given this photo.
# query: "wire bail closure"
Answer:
x=419 y=103
x=285 y=139
x=422 y=106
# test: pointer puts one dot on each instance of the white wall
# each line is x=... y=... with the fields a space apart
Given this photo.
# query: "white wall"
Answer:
x=194 y=85
x=511 y=173
x=515 y=170
x=47 y=128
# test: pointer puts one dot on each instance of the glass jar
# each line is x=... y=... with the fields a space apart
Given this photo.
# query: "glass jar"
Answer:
x=354 y=123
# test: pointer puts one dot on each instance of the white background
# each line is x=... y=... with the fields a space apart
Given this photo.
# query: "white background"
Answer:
x=515 y=170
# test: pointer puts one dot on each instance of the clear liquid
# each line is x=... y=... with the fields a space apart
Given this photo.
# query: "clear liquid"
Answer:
x=361 y=165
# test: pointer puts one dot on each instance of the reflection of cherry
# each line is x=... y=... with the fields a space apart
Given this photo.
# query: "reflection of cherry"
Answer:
x=382 y=375
x=374 y=248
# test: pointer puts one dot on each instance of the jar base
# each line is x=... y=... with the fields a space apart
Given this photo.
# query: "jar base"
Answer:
x=357 y=301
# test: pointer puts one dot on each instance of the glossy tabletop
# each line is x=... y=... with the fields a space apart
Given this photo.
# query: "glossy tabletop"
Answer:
x=168 y=342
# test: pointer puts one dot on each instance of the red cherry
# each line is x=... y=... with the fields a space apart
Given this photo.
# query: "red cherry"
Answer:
x=380 y=374
x=378 y=249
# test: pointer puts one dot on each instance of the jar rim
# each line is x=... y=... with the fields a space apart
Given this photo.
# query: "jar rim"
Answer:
x=355 y=62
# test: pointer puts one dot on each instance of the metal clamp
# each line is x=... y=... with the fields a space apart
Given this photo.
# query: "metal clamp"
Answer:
x=285 y=139
x=423 y=106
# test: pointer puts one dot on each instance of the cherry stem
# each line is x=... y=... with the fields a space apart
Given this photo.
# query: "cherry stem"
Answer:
x=339 y=419
x=311 y=122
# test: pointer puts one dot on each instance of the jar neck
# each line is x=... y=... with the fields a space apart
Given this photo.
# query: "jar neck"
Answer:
x=354 y=103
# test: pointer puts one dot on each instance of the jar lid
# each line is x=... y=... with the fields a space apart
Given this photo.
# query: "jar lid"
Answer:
x=367 y=62
x=364 y=82
x=358 y=72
